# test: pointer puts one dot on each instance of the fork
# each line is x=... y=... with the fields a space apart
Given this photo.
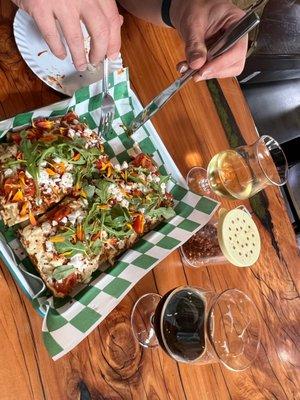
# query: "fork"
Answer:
x=108 y=104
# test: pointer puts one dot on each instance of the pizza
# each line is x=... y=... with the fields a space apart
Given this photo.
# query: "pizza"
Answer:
x=81 y=234
x=43 y=163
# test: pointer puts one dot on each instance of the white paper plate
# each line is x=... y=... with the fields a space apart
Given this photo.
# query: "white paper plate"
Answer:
x=61 y=75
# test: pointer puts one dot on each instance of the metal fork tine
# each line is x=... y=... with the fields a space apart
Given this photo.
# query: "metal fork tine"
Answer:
x=108 y=105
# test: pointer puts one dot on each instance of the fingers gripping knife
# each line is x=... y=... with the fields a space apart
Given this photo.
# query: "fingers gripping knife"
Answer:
x=224 y=43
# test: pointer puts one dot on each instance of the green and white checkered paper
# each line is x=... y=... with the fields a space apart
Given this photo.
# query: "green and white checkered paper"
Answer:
x=68 y=321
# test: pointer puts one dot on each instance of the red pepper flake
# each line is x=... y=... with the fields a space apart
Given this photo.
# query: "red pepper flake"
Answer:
x=204 y=244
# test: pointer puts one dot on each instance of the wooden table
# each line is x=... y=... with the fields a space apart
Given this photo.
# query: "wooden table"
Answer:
x=109 y=364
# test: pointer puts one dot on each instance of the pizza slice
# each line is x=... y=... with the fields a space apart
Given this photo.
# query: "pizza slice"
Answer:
x=82 y=234
x=43 y=163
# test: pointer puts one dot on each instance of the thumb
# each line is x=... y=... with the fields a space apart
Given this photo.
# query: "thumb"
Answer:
x=195 y=48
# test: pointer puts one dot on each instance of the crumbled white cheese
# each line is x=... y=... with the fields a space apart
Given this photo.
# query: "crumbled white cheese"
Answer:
x=142 y=210
x=38 y=201
x=8 y=172
x=54 y=223
x=69 y=167
x=71 y=133
x=156 y=178
x=76 y=215
x=47 y=190
x=115 y=192
x=149 y=178
x=43 y=163
x=44 y=178
x=103 y=235
x=163 y=188
x=66 y=180
x=87 y=132
x=50 y=247
x=46 y=228
x=57 y=160
x=117 y=167
x=77 y=261
x=64 y=220
x=143 y=188
x=124 y=203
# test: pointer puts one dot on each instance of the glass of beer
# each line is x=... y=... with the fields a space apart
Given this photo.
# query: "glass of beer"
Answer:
x=197 y=326
x=242 y=172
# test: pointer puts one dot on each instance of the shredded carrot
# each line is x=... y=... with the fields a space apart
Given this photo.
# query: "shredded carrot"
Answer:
x=79 y=233
x=24 y=209
x=50 y=172
x=18 y=196
x=46 y=124
x=49 y=137
x=76 y=157
x=32 y=218
x=109 y=171
x=60 y=167
x=96 y=236
x=22 y=179
x=57 y=239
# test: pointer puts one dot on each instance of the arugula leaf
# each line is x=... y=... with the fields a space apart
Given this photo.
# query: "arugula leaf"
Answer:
x=102 y=191
x=96 y=246
x=89 y=190
x=116 y=233
x=162 y=212
x=119 y=211
x=135 y=179
x=70 y=248
x=63 y=271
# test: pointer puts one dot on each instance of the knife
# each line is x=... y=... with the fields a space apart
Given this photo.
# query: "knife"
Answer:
x=225 y=42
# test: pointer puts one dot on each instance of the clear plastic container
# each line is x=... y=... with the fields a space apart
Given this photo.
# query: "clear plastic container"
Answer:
x=229 y=237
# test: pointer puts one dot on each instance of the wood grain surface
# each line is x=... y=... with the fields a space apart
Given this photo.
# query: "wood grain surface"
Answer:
x=109 y=364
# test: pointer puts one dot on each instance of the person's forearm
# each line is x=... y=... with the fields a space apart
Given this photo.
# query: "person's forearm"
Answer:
x=150 y=10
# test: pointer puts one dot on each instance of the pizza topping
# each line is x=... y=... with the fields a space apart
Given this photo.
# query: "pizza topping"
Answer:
x=66 y=180
x=49 y=247
x=46 y=228
x=139 y=224
x=8 y=172
x=110 y=207
x=32 y=218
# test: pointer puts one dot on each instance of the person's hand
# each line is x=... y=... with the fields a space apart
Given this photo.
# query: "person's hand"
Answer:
x=199 y=23
x=101 y=18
